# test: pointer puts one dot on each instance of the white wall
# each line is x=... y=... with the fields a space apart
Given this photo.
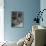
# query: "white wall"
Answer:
x=1 y=21
x=43 y=6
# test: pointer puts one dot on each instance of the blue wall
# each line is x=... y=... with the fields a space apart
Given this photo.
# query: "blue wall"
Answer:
x=29 y=7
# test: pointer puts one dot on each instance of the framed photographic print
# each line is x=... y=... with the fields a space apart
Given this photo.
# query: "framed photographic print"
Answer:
x=17 y=19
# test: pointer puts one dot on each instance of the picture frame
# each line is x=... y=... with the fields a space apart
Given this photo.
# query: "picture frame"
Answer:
x=17 y=19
